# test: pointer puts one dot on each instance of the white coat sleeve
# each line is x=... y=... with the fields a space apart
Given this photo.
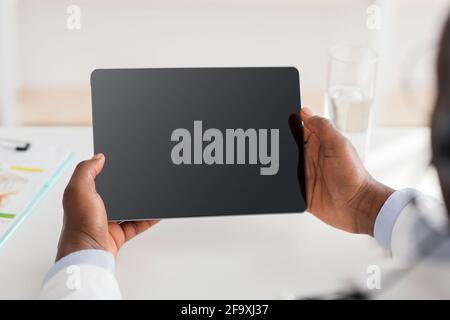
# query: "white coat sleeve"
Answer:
x=86 y=274
x=406 y=222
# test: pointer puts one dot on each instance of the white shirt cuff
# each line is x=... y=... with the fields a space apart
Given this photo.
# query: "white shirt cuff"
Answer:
x=99 y=258
x=389 y=213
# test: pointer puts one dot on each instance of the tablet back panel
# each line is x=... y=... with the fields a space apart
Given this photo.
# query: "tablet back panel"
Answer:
x=153 y=170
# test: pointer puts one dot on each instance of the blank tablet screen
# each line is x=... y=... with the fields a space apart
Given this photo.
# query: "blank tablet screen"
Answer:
x=198 y=141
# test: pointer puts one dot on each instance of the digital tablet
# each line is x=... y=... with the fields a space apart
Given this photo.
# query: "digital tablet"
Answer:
x=196 y=142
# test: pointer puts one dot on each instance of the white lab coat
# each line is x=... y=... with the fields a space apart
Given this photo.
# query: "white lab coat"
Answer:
x=420 y=265
x=420 y=249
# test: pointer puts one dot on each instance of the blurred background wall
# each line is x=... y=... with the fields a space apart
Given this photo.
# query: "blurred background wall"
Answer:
x=50 y=65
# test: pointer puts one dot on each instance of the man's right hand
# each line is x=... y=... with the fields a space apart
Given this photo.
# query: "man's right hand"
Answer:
x=86 y=225
x=340 y=190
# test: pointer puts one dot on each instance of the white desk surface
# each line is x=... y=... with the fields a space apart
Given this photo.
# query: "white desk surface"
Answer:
x=265 y=257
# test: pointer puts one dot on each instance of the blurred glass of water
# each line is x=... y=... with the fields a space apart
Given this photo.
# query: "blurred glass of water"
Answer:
x=350 y=92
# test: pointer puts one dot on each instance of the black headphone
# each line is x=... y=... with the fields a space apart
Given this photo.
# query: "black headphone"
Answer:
x=440 y=131
x=440 y=128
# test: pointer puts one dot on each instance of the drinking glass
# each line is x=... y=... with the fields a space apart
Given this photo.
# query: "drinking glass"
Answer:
x=350 y=92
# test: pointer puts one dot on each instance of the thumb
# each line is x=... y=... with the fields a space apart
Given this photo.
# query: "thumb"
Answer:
x=320 y=126
x=86 y=172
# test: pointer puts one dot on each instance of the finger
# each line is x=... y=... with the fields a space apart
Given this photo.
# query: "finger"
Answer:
x=315 y=124
x=306 y=113
x=319 y=126
x=307 y=134
x=133 y=228
x=309 y=119
x=86 y=171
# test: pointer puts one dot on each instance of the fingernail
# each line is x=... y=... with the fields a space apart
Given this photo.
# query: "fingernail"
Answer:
x=307 y=111
x=97 y=156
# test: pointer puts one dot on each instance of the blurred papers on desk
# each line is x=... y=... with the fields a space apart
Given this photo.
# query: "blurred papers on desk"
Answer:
x=25 y=179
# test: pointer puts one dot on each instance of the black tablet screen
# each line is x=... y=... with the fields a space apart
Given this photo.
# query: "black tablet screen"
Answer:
x=198 y=142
